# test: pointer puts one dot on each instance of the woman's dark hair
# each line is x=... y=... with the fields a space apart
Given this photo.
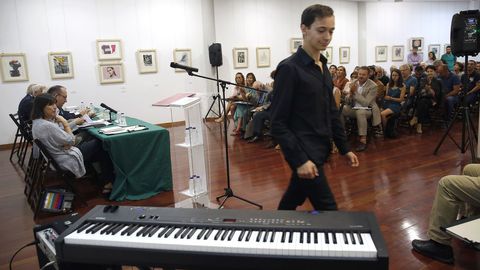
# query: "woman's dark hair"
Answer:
x=39 y=103
x=253 y=75
x=315 y=11
x=399 y=82
x=433 y=56
x=430 y=67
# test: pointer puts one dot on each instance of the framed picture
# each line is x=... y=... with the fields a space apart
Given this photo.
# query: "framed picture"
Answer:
x=111 y=72
x=182 y=57
x=435 y=48
x=109 y=49
x=344 y=55
x=415 y=42
x=240 y=57
x=147 y=61
x=263 y=56
x=398 y=52
x=13 y=67
x=60 y=64
x=295 y=43
x=328 y=53
x=381 y=54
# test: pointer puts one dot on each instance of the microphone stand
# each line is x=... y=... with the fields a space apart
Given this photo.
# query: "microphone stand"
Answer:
x=228 y=190
x=216 y=98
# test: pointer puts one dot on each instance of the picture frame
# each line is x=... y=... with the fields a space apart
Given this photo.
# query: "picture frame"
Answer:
x=60 y=65
x=109 y=49
x=381 y=53
x=328 y=53
x=295 y=43
x=240 y=57
x=111 y=72
x=182 y=57
x=263 y=56
x=435 y=48
x=398 y=53
x=344 y=54
x=147 y=61
x=13 y=67
x=416 y=42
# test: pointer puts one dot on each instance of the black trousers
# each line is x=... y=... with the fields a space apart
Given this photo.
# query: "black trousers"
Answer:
x=258 y=121
x=423 y=106
x=92 y=151
x=316 y=190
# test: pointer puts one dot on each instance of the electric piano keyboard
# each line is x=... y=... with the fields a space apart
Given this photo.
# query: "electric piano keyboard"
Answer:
x=224 y=239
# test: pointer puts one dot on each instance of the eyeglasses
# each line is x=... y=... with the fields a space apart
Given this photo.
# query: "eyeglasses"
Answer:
x=65 y=97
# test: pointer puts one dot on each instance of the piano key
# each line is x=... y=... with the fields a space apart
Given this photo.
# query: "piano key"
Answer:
x=154 y=230
x=327 y=240
x=218 y=234
x=185 y=232
x=146 y=231
x=272 y=238
x=265 y=236
x=230 y=236
x=334 y=238
x=240 y=236
x=170 y=231
x=308 y=237
x=98 y=227
x=352 y=239
x=259 y=236
x=118 y=229
x=301 y=237
x=141 y=230
x=360 y=240
x=95 y=225
x=179 y=232
x=192 y=231
x=290 y=237
x=284 y=234
x=164 y=231
x=209 y=232
x=201 y=233
x=105 y=228
x=84 y=227
x=224 y=234
x=248 y=235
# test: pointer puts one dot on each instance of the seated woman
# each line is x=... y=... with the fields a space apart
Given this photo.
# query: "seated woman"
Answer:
x=55 y=133
x=236 y=95
x=339 y=84
x=241 y=113
x=394 y=96
x=430 y=87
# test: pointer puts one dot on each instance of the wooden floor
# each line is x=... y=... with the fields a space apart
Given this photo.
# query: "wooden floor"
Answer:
x=396 y=180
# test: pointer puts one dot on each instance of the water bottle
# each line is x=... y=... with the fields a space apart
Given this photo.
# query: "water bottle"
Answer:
x=123 y=120
x=82 y=106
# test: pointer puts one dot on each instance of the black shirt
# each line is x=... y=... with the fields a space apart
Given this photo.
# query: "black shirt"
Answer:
x=25 y=108
x=304 y=115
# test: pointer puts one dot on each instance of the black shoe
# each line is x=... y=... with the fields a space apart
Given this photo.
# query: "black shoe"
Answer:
x=434 y=250
x=254 y=139
x=361 y=147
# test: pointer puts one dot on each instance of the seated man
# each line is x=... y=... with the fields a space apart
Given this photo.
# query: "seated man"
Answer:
x=60 y=94
x=261 y=114
x=472 y=79
x=26 y=104
x=362 y=105
x=453 y=192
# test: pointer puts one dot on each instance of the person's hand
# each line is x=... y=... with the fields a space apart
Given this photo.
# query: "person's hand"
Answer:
x=60 y=119
x=353 y=159
x=79 y=120
x=84 y=111
x=353 y=88
x=308 y=170
x=91 y=114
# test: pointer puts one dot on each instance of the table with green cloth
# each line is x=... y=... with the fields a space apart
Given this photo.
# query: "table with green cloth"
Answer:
x=141 y=160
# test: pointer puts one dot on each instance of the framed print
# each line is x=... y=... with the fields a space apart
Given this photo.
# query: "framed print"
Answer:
x=60 y=64
x=240 y=57
x=263 y=56
x=109 y=49
x=13 y=67
x=147 y=61
x=415 y=42
x=111 y=72
x=328 y=53
x=182 y=57
x=344 y=55
x=398 y=52
x=381 y=54
x=435 y=48
x=295 y=43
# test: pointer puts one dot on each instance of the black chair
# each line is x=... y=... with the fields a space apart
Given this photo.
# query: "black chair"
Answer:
x=23 y=140
x=47 y=166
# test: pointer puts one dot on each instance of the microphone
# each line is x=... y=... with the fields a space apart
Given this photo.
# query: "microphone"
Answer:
x=107 y=107
x=186 y=68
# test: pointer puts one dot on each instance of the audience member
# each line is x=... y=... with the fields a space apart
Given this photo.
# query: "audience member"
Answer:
x=354 y=75
x=60 y=142
x=448 y=58
x=393 y=97
x=450 y=88
x=410 y=83
x=453 y=192
x=236 y=95
x=472 y=79
x=414 y=58
x=362 y=105
x=333 y=72
x=339 y=84
x=431 y=58
x=242 y=111
x=26 y=104
x=380 y=72
x=429 y=90
x=458 y=69
x=380 y=85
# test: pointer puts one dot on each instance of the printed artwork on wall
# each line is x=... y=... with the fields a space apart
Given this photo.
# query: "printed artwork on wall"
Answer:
x=328 y=53
x=263 y=56
x=109 y=49
x=295 y=43
x=182 y=57
x=240 y=57
x=415 y=42
x=435 y=48
x=13 y=67
x=398 y=52
x=111 y=72
x=381 y=53
x=344 y=55
x=147 y=61
x=61 y=65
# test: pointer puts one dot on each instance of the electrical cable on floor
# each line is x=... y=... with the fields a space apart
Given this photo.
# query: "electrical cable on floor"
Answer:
x=15 y=254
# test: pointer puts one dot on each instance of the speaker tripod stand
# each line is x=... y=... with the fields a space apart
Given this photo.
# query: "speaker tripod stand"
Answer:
x=216 y=98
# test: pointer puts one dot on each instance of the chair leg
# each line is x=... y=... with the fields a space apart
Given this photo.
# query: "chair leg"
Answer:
x=15 y=145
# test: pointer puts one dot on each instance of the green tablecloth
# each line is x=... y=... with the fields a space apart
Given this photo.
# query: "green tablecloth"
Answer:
x=141 y=160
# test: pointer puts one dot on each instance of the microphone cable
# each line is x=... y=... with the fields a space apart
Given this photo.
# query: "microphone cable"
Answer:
x=15 y=254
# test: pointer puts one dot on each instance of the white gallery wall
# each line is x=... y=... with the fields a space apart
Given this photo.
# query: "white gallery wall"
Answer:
x=36 y=27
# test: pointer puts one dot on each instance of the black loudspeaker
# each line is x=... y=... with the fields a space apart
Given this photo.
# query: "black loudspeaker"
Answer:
x=215 y=54
x=464 y=33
